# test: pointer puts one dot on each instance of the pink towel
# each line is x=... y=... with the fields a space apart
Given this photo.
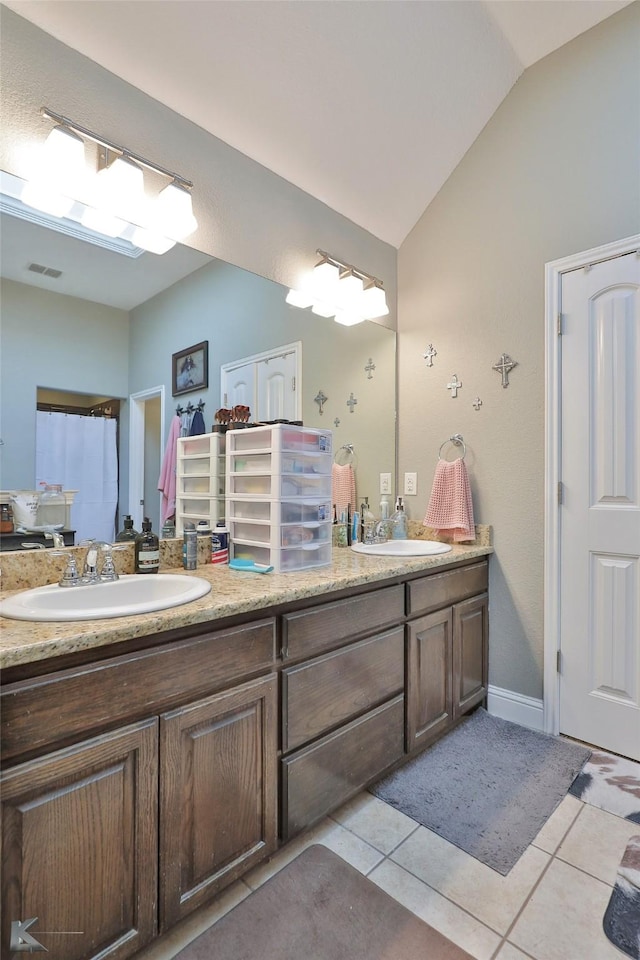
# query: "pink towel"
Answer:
x=343 y=486
x=450 y=509
x=167 y=480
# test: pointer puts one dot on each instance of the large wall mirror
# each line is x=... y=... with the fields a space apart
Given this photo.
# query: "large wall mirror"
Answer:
x=94 y=322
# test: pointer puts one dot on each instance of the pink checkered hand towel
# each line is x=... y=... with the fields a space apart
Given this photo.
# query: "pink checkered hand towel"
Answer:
x=450 y=509
x=343 y=487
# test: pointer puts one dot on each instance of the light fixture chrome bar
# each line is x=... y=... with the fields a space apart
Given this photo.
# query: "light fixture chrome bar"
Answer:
x=348 y=266
x=110 y=145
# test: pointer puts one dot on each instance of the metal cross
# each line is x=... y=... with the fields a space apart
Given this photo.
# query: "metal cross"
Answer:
x=369 y=367
x=320 y=399
x=454 y=386
x=351 y=402
x=429 y=354
x=336 y=422
x=504 y=366
x=477 y=403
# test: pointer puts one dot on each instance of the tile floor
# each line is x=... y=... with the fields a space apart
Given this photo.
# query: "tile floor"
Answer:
x=549 y=907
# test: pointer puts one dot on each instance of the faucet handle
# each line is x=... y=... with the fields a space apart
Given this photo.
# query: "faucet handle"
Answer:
x=70 y=577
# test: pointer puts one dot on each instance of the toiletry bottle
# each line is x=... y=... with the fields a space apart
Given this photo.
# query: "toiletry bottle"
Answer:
x=367 y=522
x=399 y=522
x=189 y=548
x=220 y=543
x=385 y=508
x=127 y=532
x=147 y=549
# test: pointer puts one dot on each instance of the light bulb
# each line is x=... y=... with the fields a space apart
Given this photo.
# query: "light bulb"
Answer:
x=323 y=281
x=349 y=290
x=103 y=222
x=45 y=198
x=151 y=241
x=322 y=309
x=58 y=170
x=171 y=213
x=374 y=301
x=298 y=298
x=118 y=190
x=348 y=318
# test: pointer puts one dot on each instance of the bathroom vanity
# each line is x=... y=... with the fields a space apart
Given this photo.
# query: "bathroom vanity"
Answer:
x=149 y=762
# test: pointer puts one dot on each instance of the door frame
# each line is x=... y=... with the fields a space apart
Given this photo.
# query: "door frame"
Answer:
x=136 y=446
x=554 y=271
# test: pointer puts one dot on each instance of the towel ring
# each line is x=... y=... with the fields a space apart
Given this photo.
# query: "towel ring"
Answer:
x=345 y=455
x=458 y=441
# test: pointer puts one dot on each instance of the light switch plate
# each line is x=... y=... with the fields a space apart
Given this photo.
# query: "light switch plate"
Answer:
x=410 y=484
x=385 y=483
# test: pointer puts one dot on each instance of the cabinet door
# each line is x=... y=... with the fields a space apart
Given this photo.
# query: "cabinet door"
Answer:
x=429 y=677
x=79 y=846
x=218 y=770
x=470 y=653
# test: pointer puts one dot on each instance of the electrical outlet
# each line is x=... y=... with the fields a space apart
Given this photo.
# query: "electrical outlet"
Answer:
x=385 y=483
x=410 y=484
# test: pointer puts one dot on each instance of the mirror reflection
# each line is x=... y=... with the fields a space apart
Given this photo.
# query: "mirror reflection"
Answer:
x=89 y=329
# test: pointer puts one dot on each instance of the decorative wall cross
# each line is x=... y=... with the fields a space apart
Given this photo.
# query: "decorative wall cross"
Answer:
x=320 y=399
x=504 y=366
x=429 y=354
x=369 y=367
x=454 y=386
x=351 y=402
x=336 y=422
x=477 y=403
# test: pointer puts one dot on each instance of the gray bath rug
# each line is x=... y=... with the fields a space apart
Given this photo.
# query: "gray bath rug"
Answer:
x=622 y=918
x=611 y=783
x=488 y=786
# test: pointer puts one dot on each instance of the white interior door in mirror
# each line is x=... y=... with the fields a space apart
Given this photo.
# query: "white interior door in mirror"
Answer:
x=276 y=393
x=269 y=383
x=239 y=386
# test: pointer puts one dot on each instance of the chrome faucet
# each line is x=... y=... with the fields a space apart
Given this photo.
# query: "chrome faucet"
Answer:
x=90 y=573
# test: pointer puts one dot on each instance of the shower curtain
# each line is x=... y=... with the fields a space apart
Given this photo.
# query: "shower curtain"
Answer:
x=80 y=453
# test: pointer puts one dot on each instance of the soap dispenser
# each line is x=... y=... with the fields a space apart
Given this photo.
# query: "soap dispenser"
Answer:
x=127 y=533
x=399 y=530
x=147 y=549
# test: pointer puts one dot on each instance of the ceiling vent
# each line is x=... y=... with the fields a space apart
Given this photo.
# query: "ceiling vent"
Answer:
x=45 y=271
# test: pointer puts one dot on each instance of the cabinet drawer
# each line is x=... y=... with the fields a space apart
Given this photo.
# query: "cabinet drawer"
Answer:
x=442 y=589
x=324 y=693
x=319 y=778
x=56 y=708
x=327 y=626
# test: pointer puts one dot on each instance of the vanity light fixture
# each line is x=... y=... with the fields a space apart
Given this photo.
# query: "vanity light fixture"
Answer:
x=111 y=200
x=340 y=290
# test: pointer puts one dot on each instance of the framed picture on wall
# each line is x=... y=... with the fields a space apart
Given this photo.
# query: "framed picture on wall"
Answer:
x=190 y=369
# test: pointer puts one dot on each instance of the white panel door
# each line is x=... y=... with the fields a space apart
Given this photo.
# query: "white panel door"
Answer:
x=238 y=386
x=277 y=397
x=600 y=515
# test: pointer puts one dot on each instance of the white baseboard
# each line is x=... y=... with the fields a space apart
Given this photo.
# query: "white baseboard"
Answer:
x=509 y=705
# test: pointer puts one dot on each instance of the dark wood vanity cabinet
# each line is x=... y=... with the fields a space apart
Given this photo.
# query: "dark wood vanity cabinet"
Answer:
x=79 y=845
x=217 y=793
x=447 y=650
x=136 y=787
x=116 y=837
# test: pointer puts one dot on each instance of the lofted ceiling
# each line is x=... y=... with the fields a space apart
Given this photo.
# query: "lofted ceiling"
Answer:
x=368 y=105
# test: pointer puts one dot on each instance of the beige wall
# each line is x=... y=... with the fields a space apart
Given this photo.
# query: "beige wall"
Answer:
x=555 y=171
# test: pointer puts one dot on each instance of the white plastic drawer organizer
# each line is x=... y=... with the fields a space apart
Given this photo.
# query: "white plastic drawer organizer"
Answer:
x=279 y=495
x=200 y=480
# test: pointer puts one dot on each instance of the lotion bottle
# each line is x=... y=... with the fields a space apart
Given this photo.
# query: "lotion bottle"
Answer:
x=399 y=529
x=147 y=549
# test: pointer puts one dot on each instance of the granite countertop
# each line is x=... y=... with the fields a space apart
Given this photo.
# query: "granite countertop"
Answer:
x=232 y=592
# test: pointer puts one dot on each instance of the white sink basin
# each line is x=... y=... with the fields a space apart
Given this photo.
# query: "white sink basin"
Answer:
x=402 y=548
x=131 y=594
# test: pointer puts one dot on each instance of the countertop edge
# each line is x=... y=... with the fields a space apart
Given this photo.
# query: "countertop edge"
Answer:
x=23 y=642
